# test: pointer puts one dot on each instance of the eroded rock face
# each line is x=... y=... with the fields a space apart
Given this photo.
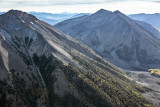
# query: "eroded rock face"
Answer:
x=41 y=66
x=117 y=38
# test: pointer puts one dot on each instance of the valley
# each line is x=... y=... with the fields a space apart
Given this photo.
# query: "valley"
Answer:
x=145 y=78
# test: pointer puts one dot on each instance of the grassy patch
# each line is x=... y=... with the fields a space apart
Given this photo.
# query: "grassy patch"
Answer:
x=155 y=72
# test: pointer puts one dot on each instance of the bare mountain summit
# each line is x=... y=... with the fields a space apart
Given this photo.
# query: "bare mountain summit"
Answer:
x=116 y=38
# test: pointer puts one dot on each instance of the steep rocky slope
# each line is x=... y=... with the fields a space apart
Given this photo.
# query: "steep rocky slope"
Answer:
x=116 y=38
x=41 y=66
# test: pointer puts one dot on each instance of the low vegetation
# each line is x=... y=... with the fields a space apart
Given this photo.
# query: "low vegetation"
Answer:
x=97 y=86
x=155 y=72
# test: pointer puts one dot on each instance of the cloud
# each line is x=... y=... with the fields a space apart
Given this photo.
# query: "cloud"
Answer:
x=52 y=2
x=60 y=2
x=157 y=1
x=55 y=2
x=55 y=6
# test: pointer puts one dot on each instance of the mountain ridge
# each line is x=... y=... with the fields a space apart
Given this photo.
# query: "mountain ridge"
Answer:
x=111 y=34
x=42 y=66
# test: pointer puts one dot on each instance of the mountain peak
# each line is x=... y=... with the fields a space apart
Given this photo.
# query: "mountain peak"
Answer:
x=117 y=12
x=102 y=11
x=106 y=32
x=18 y=13
x=123 y=16
x=12 y=16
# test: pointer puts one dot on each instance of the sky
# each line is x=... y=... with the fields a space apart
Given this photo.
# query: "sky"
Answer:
x=82 y=6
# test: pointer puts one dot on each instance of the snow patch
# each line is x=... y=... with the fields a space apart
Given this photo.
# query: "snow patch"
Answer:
x=23 y=21
x=31 y=23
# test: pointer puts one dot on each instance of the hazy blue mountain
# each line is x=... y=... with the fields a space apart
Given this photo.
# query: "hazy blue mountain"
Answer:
x=2 y=13
x=153 y=19
x=80 y=14
x=54 y=18
x=51 y=18
x=149 y=27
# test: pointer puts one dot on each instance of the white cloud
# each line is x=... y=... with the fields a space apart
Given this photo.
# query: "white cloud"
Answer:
x=55 y=6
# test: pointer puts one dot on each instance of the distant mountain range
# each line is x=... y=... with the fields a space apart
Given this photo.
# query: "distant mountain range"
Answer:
x=123 y=41
x=149 y=27
x=54 y=18
x=153 y=19
x=2 y=13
